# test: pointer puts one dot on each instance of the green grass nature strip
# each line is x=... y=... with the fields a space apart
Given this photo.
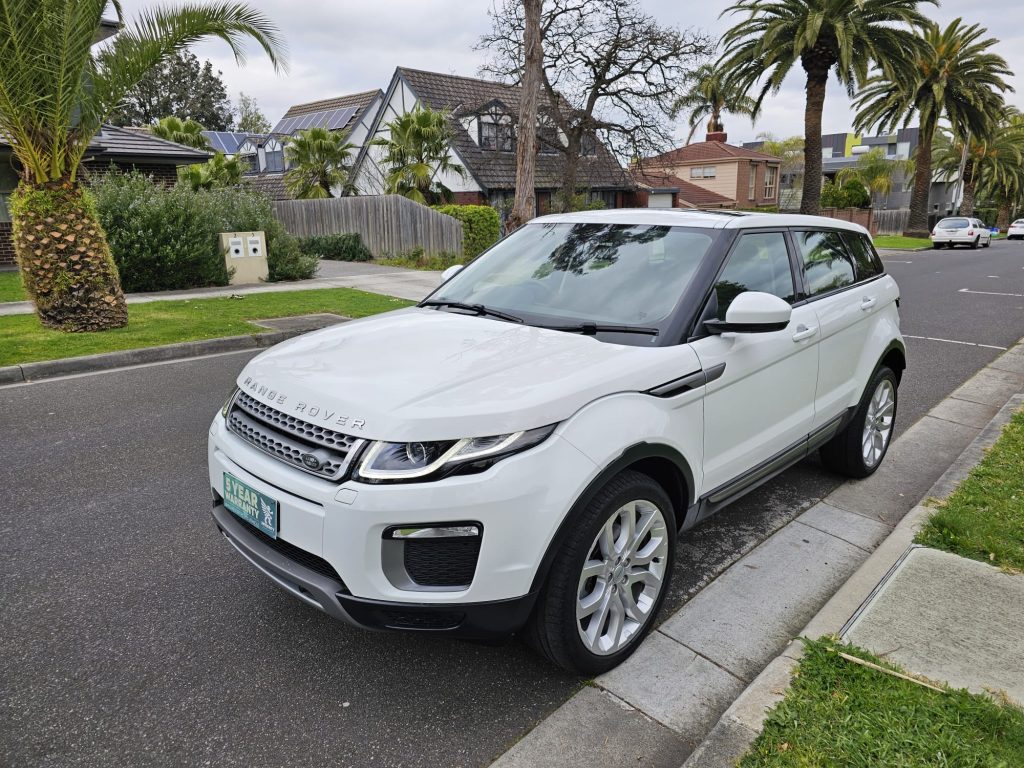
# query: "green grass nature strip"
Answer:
x=984 y=517
x=10 y=287
x=23 y=339
x=838 y=714
x=898 y=242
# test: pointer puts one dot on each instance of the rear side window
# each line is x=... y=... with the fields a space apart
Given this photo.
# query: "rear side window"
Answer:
x=826 y=262
x=866 y=260
x=759 y=262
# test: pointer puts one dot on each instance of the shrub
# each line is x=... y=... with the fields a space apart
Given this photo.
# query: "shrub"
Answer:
x=417 y=258
x=852 y=194
x=481 y=226
x=169 y=238
x=342 y=247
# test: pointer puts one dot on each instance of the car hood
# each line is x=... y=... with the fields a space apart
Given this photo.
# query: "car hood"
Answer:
x=423 y=374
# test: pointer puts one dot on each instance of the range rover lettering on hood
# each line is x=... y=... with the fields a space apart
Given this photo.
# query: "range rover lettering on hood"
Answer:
x=306 y=410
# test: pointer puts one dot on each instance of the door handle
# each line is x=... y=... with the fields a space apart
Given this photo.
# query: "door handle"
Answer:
x=804 y=332
x=868 y=302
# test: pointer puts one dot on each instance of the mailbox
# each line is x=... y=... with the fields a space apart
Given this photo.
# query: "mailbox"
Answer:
x=245 y=254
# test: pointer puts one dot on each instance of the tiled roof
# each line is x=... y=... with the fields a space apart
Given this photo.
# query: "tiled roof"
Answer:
x=653 y=179
x=270 y=184
x=708 y=150
x=360 y=100
x=113 y=142
x=497 y=170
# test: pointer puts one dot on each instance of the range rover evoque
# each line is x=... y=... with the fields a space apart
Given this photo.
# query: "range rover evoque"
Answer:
x=521 y=450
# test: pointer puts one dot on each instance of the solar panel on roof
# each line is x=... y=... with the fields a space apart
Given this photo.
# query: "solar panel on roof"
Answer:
x=331 y=119
x=341 y=120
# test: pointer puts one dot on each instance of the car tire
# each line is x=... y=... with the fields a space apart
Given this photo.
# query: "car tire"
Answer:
x=988 y=243
x=936 y=246
x=597 y=542
x=849 y=453
x=974 y=245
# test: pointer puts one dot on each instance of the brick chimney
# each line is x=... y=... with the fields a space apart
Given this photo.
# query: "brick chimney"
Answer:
x=721 y=136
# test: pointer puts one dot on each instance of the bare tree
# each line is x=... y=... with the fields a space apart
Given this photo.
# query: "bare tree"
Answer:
x=526 y=145
x=610 y=72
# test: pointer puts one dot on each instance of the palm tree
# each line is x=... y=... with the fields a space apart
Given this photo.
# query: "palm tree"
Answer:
x=55 y=95
x=875 y=171
x=823 y=36
x=956 y=77
x=416 y=152
x=318 y=161
x=217 y=172
x=712 y=95
x=187 y=132
x=990 y=157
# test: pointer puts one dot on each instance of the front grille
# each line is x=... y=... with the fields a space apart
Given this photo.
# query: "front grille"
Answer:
x=441 y=562
x=295 y=554
x=290 y=439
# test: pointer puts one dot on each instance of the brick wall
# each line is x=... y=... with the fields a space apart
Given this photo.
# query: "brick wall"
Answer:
x=161 y=174
x=468 y=198
x=6 y=243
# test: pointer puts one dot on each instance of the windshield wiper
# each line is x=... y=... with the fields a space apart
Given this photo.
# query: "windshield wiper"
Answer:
x=592 y=329
x=478 y=309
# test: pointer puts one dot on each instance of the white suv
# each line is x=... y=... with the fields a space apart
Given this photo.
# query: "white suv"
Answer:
x=521 y=450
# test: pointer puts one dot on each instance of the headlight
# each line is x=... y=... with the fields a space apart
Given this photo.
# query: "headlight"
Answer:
x=227 y=403
x=397 y=462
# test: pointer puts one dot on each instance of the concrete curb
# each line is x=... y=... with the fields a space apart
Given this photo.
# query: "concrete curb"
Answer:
x=47 y=369
x=740 y=725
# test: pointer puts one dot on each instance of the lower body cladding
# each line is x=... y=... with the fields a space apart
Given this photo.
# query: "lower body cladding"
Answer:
x=456 y=556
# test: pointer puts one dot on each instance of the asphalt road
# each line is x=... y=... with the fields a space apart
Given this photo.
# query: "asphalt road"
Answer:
x=133 y=634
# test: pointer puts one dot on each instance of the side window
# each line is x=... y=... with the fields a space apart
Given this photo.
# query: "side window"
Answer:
x=759 y=262
x=827 y=263
x=864 y=255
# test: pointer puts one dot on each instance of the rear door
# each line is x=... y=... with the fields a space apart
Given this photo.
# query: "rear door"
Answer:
x=839 y=271
x=761 y=402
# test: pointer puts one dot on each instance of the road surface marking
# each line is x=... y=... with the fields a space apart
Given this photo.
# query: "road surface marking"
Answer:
x=954 y=341
x=991 y=293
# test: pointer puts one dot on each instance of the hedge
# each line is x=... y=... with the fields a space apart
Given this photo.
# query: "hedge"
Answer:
x=342 y=247
x=481 y=226
x=169 y=238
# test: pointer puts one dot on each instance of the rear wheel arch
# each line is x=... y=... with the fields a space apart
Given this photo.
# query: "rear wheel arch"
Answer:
x=895 y=358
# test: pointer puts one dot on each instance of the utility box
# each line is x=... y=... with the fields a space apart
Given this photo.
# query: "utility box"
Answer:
x=245 y=254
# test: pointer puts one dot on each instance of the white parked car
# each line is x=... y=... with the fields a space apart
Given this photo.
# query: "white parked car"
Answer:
x=1016 y=230
x=961 y=230
x=521 y=450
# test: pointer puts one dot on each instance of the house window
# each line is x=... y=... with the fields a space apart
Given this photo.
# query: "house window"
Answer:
x=274 y=154
x=496 y=136
x=771 y=173
x=752 y=186
x=703 y=172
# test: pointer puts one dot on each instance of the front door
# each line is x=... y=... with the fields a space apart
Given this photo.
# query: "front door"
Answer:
x=763 y=402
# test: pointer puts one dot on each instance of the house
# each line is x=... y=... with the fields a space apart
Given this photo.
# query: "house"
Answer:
x=263 y=154
x=737 y=176
x=484 y=115
x=661 y=189
x=843 y=150
x=123 y=148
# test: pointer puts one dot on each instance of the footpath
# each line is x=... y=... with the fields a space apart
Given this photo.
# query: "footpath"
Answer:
x=698 y=689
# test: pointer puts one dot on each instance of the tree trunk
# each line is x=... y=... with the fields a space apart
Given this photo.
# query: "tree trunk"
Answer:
x=917 y=222
x=525 y=204
x=570 y=172
x=64 y=258
x=810 y=202
x=1003 y=216
x=970 y=183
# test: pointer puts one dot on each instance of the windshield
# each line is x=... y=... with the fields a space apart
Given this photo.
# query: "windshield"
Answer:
x=595 y=273
x=954 y=224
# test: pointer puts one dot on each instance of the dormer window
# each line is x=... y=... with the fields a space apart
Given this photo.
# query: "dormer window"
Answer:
x=496 y=132
x=274 y=154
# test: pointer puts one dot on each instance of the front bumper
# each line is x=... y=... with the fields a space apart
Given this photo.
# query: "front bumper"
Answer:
x=330 y=595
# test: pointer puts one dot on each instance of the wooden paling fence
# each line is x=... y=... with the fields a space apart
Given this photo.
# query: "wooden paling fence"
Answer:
x=891 y=221
x=388 y=224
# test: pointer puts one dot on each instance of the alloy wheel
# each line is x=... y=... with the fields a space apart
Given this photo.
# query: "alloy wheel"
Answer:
x=878 y=423
x=622 y=577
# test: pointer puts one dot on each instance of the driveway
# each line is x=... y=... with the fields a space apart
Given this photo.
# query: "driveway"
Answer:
x=134 y=635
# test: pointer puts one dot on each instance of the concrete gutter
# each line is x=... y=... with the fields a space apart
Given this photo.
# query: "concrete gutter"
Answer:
x=683 y=693
x=740 y=725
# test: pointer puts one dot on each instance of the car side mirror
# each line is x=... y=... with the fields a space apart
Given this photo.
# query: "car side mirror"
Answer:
x=451 y=272
x=753 y=312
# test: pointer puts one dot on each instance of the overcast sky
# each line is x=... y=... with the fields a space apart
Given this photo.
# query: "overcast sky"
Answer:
x=345 y=46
